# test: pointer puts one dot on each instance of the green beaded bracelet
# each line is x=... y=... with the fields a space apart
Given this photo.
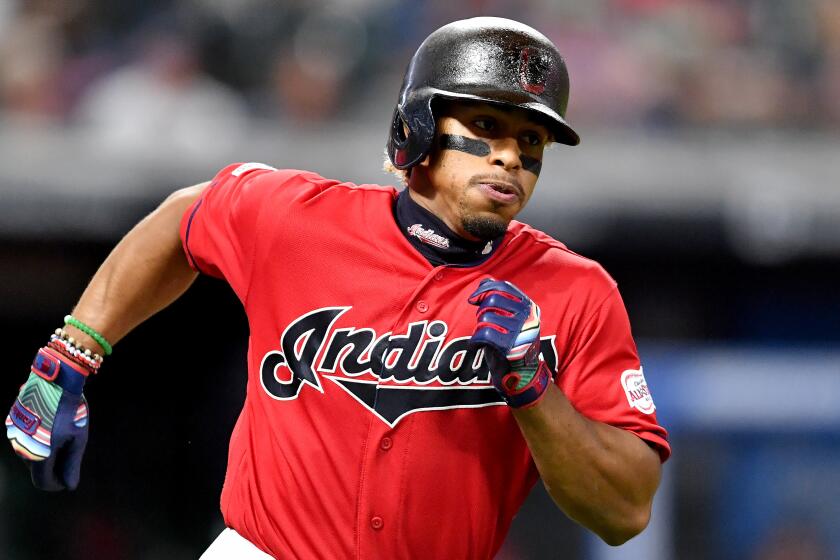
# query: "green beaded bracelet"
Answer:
x=70 y=320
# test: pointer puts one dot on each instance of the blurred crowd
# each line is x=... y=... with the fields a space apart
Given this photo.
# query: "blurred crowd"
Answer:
x=130 y=68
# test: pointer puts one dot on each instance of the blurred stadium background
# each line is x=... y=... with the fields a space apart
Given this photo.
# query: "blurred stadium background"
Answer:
x=708 y=184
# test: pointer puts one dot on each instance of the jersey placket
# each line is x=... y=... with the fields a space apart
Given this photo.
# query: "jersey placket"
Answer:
x=387 y=449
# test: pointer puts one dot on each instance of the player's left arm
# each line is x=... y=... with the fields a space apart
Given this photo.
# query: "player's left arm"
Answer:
x=601 y=476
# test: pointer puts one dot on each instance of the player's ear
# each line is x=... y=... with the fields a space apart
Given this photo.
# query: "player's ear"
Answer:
x=418 y=176
x=421 y=168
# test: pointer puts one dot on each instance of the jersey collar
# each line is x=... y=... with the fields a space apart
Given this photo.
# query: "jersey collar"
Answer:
x=433 y=239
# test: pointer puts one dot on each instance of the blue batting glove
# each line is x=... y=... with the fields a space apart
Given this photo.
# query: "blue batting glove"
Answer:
x=48 y=424
x=508 y=327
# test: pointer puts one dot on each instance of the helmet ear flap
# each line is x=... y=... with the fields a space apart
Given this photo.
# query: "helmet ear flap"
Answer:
x=398 y=140
x=411 y=134
x=400 y=128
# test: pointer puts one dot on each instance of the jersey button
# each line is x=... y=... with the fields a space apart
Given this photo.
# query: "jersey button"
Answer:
x=376 y=522
x=386 y=443
x=439 y=276
x=422 y=306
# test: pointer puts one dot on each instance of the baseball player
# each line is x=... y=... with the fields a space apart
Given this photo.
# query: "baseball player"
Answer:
x=417 y=358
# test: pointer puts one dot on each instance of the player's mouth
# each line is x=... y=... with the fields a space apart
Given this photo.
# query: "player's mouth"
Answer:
x=500 y=191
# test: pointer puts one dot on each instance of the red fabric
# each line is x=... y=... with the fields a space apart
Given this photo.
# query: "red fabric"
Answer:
x=310 y=474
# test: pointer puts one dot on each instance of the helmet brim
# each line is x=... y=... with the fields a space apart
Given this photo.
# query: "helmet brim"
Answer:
x=557 y=125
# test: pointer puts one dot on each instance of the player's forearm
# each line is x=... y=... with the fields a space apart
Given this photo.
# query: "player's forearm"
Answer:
x=144 y=273
x=601 y=476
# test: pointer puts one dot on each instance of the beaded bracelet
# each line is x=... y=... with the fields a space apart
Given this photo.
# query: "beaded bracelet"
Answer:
x=70 y=347
x=62 y=342
x=65 y=338
x=70 y=320
x=61 y=347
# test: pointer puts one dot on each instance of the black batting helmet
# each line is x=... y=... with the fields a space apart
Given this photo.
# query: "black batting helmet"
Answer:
x=487 y=59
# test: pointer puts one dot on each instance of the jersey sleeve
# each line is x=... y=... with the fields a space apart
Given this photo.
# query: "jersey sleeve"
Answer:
x=220 y=230
x=603 y=378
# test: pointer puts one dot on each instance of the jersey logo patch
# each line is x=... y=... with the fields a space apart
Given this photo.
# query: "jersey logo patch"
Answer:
x=636 y=389
x=428 y=236
x=391 y=375
x=246 y=167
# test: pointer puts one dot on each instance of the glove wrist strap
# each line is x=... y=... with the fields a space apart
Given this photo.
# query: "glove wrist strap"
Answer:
x=55 y=368
x=531 y=393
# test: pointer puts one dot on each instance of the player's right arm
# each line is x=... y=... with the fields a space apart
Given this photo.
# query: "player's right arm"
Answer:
x=144 y=273
x=48 y=423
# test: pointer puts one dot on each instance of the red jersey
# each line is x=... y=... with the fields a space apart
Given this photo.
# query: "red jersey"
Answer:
x=370 y=428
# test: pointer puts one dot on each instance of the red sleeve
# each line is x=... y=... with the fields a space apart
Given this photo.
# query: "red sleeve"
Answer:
x=603 y=378
x=219 y=231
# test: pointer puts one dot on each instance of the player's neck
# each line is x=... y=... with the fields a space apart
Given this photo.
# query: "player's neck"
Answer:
x=432 y=202
x=434 y=239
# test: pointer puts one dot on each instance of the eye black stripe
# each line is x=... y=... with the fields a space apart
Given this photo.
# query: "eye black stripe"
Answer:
x=531 y=164
x=470 y=146
x=481 y=148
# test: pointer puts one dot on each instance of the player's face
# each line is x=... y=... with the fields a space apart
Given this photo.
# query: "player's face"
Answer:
x=482 y=168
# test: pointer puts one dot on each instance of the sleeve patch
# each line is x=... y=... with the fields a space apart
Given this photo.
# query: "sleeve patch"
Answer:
x=636 y=390
x=246 y=167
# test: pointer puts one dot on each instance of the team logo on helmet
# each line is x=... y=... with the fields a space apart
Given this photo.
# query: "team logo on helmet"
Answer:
x=533 y=68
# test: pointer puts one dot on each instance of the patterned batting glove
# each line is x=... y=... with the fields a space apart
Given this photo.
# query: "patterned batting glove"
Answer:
x=508 y=327
x=48 y=424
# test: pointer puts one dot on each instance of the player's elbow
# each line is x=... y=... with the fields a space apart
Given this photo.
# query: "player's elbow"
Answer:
x=186 y=196
x=626 y=528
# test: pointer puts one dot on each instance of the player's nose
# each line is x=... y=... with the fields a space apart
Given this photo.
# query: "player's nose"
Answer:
x=504 y=152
